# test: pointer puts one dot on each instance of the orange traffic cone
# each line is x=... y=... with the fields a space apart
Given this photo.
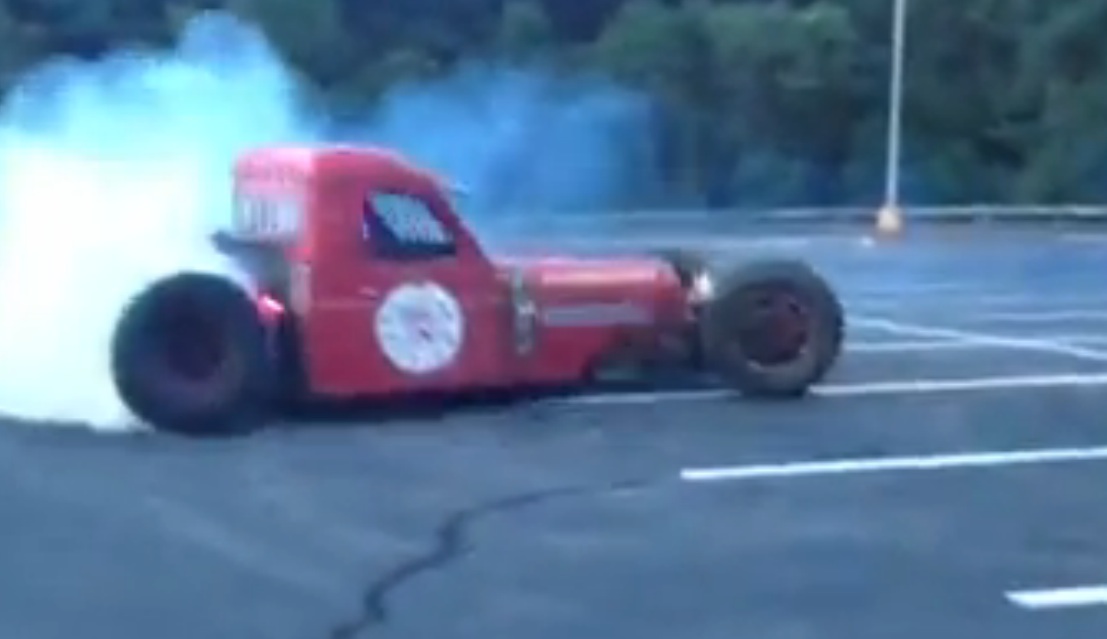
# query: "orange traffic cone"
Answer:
x=889 y=221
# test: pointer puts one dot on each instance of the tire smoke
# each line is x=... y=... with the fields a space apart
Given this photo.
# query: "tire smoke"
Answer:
x=115 y=172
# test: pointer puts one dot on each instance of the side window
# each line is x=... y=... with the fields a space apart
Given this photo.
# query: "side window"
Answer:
x=403 y=227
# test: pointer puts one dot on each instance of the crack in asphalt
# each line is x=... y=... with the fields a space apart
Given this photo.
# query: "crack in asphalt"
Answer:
x=453 y=542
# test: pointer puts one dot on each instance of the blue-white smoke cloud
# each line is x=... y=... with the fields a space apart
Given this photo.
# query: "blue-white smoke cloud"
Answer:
x=521 y=142
x=115 y=172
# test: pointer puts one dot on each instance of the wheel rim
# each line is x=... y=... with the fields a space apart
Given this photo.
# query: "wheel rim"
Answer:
x=190 y=347
x=776 y=328
x=188 y=350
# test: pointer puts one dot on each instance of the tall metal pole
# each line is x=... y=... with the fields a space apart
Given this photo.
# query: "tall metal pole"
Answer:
x=895 y=107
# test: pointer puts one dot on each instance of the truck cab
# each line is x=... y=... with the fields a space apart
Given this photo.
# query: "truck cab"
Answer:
x=387 y=289
x=391 y=292
x=363 y=280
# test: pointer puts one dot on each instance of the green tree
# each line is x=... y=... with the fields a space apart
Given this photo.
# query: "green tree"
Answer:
x=762 y=102
x=524 y=31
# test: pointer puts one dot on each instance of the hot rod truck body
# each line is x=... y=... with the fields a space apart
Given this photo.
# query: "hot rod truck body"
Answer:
x=363 y=280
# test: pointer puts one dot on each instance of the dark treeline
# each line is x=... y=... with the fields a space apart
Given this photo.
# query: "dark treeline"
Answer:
x=763 y=102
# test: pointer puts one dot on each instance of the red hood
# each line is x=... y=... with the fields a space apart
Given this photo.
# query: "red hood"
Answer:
x=630 y=288
x=589 y=270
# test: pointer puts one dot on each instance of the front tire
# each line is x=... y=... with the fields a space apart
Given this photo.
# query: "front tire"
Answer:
x=774 y=329
x=189 y=355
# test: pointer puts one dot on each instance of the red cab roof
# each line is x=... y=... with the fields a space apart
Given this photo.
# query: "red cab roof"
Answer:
x=304 y=161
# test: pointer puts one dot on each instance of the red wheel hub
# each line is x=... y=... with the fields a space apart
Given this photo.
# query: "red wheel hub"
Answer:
x=777 y=328
x=188 y=350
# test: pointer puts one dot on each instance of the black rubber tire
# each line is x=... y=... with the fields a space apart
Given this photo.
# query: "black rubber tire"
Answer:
x=233 y=391
x=825 y=325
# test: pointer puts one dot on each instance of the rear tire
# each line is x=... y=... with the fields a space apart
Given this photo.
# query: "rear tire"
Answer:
x=781 y=349
x=189 y=355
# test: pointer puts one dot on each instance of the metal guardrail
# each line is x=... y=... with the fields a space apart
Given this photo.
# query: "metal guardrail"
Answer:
x=980 y=213
x=977 y=214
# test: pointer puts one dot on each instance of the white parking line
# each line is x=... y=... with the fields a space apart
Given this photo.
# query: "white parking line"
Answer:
x=1059 y=597
x=1085 y=238
x=901 y=292
x=1031 y=317
x=897 y=387
x=929 y=386
x=863 y=302
x=894 y=464
x=1041 y=345
x=914 y=346
x=1090 y=339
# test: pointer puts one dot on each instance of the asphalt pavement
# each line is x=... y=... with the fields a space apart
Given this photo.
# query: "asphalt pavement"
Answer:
x=947 y=480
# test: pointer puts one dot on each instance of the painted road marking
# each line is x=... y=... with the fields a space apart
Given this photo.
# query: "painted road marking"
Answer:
x=1086 y=338
x=904 y=292
x=905 y=387
x=863 y=302
x=1085 y=238
x=1040 y=345
x=929 y=386
x=909 y=346
x=894 y=464
x=1059 y=597
x=1030 y=317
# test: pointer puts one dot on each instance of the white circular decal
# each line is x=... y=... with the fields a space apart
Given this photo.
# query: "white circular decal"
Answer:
x=420 y=327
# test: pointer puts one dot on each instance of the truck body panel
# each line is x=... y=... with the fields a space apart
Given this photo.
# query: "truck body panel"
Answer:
x=391 y=293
